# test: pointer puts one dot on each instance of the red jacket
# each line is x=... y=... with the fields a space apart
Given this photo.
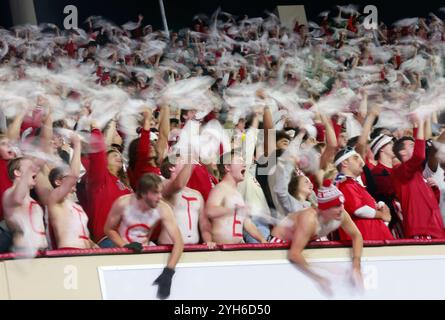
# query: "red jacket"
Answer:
x=421 y=213
x=142 y=156
x=103 y=188
x=356 y=197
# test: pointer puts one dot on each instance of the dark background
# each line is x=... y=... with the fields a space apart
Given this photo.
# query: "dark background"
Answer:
x=180 y=13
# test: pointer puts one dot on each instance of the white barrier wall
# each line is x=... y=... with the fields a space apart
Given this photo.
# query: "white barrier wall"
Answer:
x=384 y=278
x=403 y=272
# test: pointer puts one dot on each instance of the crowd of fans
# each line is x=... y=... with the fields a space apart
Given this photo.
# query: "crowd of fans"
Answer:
x=122 y=136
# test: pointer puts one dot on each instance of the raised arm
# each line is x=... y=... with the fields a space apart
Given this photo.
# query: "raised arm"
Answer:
x=415 y=163
x=331 y=143
x=363 y=109
x=180 y=181
x=98 y=160
x=267 y=126
x=428 y=131
x=59 y=193
x=143 y=147
x=164 y=130
x=110 y=132
x=21 y=190
x=13 y=130
x=251 y=138
x=362 y=143
x=46 y=134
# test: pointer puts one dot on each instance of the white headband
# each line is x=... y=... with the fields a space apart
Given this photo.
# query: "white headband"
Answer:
x=345 y=156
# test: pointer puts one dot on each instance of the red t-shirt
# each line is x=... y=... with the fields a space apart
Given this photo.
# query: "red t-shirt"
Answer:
x=202 y=181
x=5 y=183
x=103 y=188
x=382 y=178
x=142 y=156
x=421 y=213
x=356 y=197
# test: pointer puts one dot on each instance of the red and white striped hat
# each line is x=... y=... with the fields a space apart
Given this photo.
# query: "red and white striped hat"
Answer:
x=379 y=142
x=329 y=196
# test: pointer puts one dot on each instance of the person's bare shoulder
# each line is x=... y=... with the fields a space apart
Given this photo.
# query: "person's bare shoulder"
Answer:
x=123 y=201
x=219 y=187
x=308 y=215
x=164 y=205
x=165 y=209
x=6 y=198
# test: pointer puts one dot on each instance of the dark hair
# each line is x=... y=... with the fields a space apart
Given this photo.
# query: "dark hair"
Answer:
x=294 y=182
x=64 y=155
x=148 y=182
x=165 y=168
x=352 y=142
x=122 y=175
x=183 y=114
x=225 y=159
x=55 y=174
x=399 y=145
x=174 y=121
x=282 y=135
x=132 y=152
x=376 y=132
x=319 y=147
x=14 y=164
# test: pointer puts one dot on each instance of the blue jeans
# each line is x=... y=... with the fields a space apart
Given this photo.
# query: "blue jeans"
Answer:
x=106 y=243
x=5 y=238
x=262 y=227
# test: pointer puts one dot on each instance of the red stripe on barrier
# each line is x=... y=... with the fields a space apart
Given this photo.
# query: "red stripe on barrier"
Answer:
x=15 y=255
x=254 y=246
x=328 y=244
x=86 y=252
x=104 y=251
x=223 y=247
x=413 y=242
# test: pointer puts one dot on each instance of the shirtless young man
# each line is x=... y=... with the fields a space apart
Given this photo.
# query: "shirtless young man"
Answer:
x=68 y=220
x=187 y=205
x=23 y=215
x=133 y=218
x=301 y=227
x=225 y=205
